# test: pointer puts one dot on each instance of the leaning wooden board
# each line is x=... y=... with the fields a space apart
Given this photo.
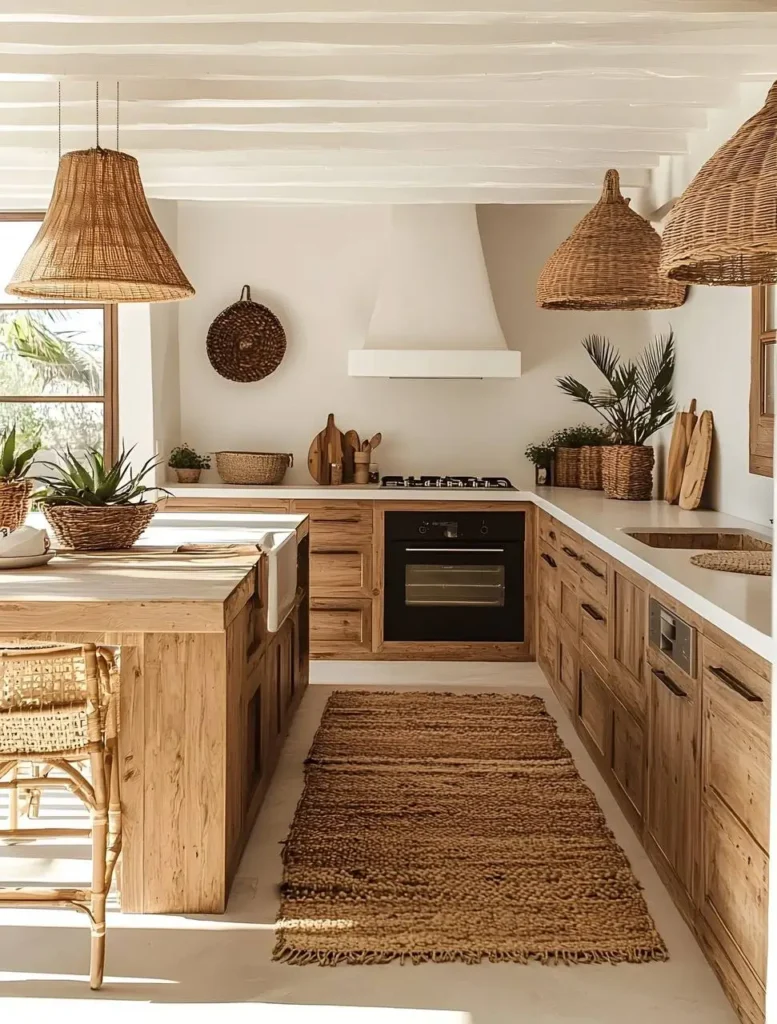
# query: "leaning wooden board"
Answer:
x=678 y=452
x=697 y=462
x=326 y=448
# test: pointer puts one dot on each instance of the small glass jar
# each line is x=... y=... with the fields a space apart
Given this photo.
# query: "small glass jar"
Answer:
x=374 y=477
x=336 y=474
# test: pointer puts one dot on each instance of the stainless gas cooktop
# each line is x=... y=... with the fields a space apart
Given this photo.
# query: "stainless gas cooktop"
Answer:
x=449 y=482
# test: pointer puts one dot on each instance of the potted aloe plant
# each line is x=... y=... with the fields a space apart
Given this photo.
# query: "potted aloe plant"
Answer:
x=15 y=482
x=187 y=463
x=637 y=402
x=92 y=506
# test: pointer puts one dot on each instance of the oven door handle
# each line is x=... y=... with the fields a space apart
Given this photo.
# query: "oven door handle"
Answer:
x=459 y=551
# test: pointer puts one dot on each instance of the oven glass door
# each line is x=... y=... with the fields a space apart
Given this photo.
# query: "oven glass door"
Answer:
x=454 y=591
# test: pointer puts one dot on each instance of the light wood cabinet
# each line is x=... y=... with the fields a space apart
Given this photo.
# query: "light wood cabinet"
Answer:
x=340 y=630
x=593 y=708
x=568 y=669
x=627 y=762
x=628 y=619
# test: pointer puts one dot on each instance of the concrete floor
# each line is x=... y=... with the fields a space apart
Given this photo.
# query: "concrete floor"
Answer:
x=170 y=963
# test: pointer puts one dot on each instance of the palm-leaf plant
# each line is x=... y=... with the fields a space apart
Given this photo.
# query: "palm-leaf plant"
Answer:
x=88 y=481
x=638 y=400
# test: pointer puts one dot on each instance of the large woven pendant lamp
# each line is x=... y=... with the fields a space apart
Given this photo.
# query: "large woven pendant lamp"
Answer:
x=98 y=241
x=610 y=261
x=723 y=228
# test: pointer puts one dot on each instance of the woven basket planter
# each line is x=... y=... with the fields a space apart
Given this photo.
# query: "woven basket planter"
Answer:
x=253 y=467
x=610 y=261
x=590 y=467
x=14 y=503
x=627 y=471
x=723 y=228
x=566 y=464
x=98 y=527
x=187 y=476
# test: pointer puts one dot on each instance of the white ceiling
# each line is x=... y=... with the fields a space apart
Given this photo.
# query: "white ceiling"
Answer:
x=290 y=101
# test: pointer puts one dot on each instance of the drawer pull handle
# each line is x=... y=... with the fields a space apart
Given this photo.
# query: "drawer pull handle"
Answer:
x=590 y=568
x=590 y=610
x=734 y=684
x=547 y=558
x=662 y=677
x=570 y=552
x=552 y=534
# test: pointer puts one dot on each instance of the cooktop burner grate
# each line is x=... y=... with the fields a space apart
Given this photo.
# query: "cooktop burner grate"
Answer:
x=449 y=482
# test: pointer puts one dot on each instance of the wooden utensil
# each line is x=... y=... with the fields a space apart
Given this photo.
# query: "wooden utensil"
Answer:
x=697 y=462
x=326 y=448
x=375 y=441
x=351 y=444
x=678 y=452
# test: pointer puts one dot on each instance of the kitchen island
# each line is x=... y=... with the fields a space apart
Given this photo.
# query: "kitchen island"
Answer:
x=207 y=690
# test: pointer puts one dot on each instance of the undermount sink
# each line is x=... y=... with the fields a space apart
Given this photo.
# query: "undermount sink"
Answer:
x=701 y=540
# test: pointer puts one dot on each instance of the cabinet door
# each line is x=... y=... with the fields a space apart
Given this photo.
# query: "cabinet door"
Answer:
x=627 y=761
x=628 y=611
x=568 y=669
x=569 y=601
x=593 y=710
x=547 y=644
x=340 y=629
x=547 y=582
x=673 y=772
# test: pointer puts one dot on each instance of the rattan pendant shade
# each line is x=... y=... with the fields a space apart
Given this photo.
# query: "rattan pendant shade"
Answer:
x=610 y=261
x=98 y=241
x=723 y=228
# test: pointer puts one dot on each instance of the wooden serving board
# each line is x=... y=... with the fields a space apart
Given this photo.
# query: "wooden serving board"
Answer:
x=678 y=452
x=351 y=444
x=697 y=462
x=326 y=448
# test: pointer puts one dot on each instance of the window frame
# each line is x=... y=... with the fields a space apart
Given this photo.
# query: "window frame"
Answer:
x=110 y=396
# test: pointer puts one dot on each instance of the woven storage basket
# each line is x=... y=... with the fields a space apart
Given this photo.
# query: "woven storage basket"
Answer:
x=99 y=528
x=253 y=467
x=246 y=341
x=14 y=503
x=566 y=465
x=627 y=471
x=610 y=261
x=590 y=467
x=723 y=228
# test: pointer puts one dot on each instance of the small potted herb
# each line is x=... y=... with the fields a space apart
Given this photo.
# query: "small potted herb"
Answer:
x=187 y=463
x=570 y=446
x=541 y=455
x=15 y=483
x=637 y=402
x=92 y=506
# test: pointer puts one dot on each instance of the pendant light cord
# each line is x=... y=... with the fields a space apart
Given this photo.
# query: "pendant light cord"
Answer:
x=59 y=121
x=117 y=116
x=97 y=113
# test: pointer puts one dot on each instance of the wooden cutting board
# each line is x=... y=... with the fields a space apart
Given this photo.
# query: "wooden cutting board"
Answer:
x=326 y=448
x=697 y=462
x=351 y=444
x=682 y=433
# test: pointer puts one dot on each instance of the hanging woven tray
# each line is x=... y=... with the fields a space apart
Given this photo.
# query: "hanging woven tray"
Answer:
x=754 y=563
x=246 y=341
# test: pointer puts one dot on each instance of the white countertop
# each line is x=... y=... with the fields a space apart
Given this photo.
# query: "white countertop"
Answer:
x=740 y=605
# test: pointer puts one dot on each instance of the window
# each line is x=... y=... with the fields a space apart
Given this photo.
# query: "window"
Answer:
x=762 y=370
x=57 y=359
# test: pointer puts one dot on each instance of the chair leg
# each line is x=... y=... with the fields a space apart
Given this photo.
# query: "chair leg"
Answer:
x=13 y=801
x=114 y=812
x=99 y=852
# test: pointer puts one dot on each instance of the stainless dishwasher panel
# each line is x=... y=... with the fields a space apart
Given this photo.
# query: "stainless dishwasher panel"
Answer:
x=673 y=636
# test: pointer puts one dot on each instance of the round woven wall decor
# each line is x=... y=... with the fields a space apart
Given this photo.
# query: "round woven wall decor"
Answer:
x=246 y=341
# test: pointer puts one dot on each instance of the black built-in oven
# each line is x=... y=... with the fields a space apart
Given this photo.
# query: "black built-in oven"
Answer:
x=454 y=576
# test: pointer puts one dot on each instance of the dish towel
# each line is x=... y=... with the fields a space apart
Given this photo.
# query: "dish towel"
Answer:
x=24 y=543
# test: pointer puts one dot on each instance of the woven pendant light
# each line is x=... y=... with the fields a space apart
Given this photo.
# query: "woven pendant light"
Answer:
x=723 y=228
x=610 y=261
x=98 y=241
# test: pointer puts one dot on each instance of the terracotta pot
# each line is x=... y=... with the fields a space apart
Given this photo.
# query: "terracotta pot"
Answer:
x=627 y=471
x=188 y=476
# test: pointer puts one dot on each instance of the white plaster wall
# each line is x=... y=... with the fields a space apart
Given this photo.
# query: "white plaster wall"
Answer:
x=713 y=339
x=318 y=269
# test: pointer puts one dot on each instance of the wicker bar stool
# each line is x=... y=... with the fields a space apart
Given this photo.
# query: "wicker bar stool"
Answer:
x=59 y=712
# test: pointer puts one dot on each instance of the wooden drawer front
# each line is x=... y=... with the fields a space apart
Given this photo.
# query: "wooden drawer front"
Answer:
x=569 y=602
x=628 y=613
x=593 y=707
x=548 y=529
x=570 y=550
x=594 y=571
x=335 y=573
x=548 y=581
x=337 y=524
x=337 y=631
x=226 y=504
x=547 y=645
x=593 y=623
x=736 y=726
x=735 y=874
x=627 y=757
x=568 y=662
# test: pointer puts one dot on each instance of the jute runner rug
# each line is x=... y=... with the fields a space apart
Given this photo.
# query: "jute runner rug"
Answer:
x=439 y=827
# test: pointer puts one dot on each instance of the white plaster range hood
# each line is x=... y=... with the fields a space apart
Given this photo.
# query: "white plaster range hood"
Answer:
x=434 y=315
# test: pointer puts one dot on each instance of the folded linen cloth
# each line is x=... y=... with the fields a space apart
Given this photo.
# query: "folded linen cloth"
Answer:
x=24 y=542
